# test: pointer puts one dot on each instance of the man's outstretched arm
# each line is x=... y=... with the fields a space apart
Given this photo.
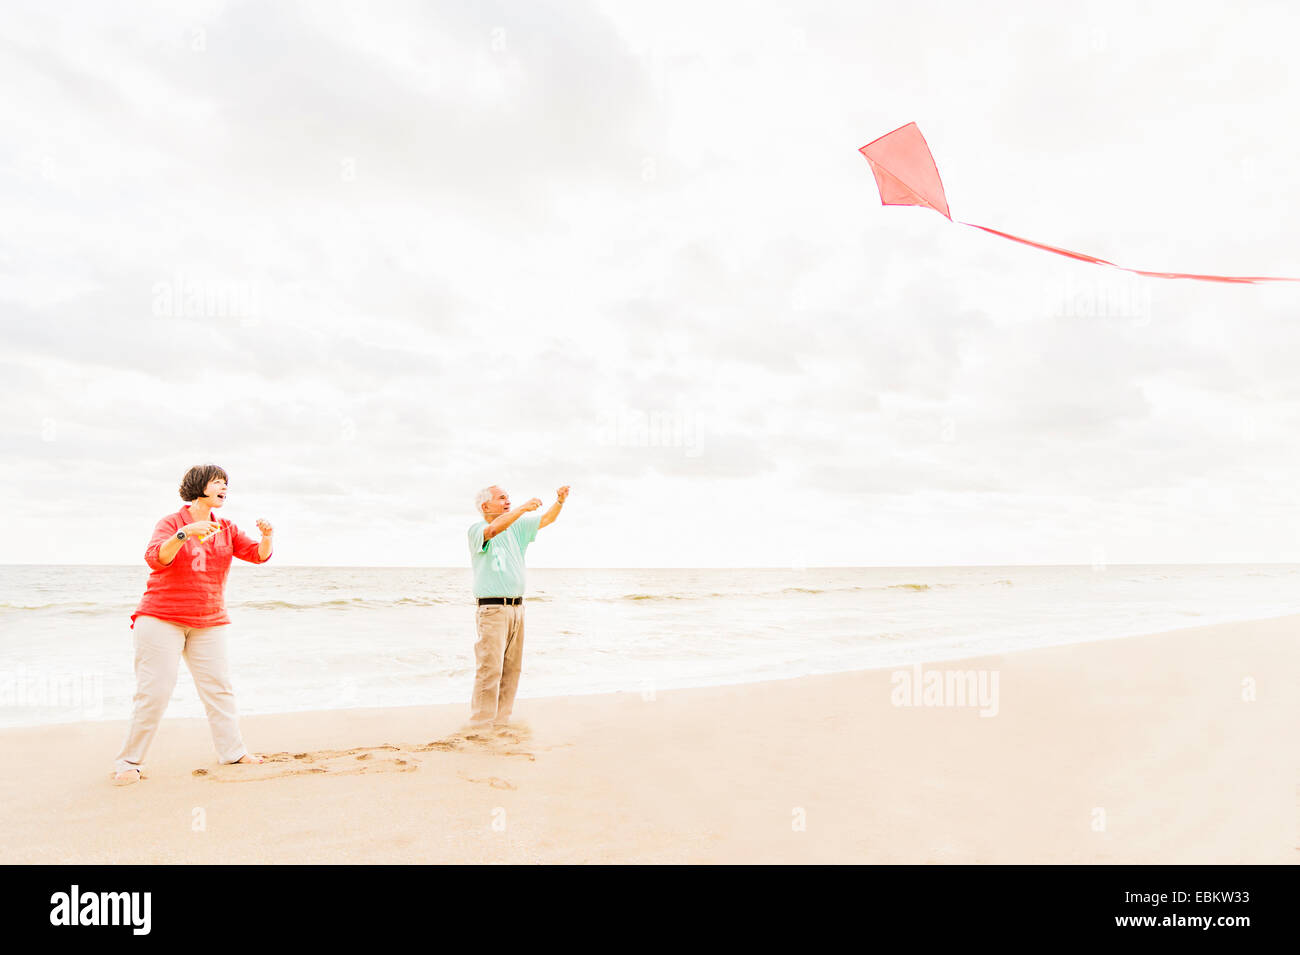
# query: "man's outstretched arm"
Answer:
x=553 y=511
x=509 y=517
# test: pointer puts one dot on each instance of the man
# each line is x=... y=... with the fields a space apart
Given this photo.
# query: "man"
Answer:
x=496 y=546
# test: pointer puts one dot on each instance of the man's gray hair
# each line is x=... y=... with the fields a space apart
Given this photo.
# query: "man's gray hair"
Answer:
x=482 y=497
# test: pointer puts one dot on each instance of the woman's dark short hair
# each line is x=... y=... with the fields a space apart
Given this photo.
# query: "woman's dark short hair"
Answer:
x=197 y=478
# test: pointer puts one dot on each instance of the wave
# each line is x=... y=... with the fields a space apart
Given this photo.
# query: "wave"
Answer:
x=820 y=590
x=68 y=606
x=776 y=593
x=379 y=603
x=365 y=603
x=290 y=605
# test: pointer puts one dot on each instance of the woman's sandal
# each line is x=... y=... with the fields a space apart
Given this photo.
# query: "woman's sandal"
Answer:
x=126 y=777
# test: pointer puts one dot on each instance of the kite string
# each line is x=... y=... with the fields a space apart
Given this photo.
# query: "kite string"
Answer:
x=1233 y=279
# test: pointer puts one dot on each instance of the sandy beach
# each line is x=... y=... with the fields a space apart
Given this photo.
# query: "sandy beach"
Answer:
x=1139 y=750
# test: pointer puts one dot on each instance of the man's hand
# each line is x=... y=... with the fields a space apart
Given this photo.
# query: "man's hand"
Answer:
x=532 y=505
x=553 y=511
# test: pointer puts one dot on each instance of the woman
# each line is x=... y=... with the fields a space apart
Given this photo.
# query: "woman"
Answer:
x=183 y=613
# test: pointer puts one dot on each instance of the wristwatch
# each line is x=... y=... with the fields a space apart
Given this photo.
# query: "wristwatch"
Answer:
x=180 y=535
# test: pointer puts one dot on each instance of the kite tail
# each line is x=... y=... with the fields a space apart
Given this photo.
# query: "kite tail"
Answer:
x=1233 y=279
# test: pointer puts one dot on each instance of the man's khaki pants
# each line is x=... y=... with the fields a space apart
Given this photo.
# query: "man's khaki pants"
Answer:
x=159 y=646
x=499 y=653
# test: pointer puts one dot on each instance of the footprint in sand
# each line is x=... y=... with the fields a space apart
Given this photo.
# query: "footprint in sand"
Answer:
x=385 y=758
x=496 y=782
x=336 y=762
x=442 y=745
x=497 y=743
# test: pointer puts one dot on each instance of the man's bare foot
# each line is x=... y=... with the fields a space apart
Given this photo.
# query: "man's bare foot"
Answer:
x=126 y=777
x=250 y=758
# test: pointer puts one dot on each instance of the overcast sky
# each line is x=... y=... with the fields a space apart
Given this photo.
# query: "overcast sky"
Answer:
x=372 y=257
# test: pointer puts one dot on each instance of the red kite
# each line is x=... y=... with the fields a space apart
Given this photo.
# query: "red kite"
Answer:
x=907 y=176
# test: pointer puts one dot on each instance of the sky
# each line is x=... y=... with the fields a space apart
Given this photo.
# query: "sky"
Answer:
x=370 y=258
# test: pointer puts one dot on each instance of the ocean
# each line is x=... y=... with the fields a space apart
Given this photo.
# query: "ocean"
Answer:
x=306 y=638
